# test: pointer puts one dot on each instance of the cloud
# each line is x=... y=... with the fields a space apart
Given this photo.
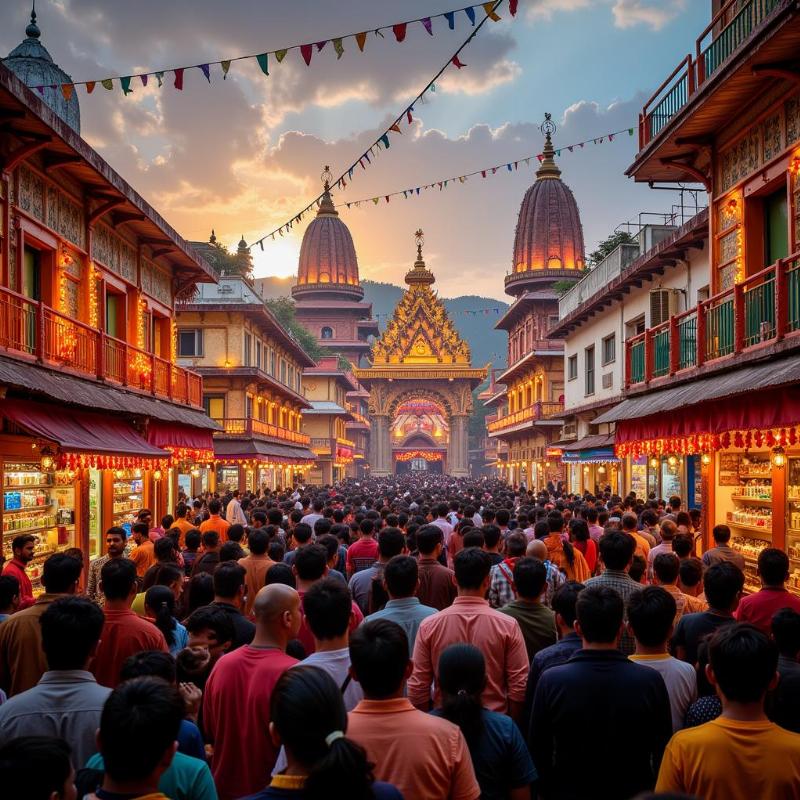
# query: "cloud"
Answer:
x=653 y=13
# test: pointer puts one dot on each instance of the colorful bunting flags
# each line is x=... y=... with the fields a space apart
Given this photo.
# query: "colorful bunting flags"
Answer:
x=125 y=83
x=263 y=63
x=399 y=31
x=338 y=47
x=226 y=65
x=206 y=70
x=178 y=84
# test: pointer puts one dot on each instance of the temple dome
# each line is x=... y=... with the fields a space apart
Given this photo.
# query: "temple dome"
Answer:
x=34 y=66
x=328 y=263
x=548 y=244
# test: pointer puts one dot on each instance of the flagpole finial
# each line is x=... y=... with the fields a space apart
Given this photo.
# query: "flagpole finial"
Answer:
x=326 y=207
x=548 y=168
x=326 y=177
x=419 y=236
x=32 y=31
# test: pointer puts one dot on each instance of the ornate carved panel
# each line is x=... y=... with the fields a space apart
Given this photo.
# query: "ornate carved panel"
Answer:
x=31 y=193
x=771 y=144
x=792 y=120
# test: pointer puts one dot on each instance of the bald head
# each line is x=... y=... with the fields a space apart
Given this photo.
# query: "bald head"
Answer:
x=273 y=602
x=537 y=549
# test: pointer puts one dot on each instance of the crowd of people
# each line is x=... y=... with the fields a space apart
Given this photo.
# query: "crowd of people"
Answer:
x=415 y=637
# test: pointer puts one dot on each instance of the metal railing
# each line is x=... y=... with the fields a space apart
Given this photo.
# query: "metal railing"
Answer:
x=540 y=410
x=239 y=426
x=762 y=309
x=33 y=329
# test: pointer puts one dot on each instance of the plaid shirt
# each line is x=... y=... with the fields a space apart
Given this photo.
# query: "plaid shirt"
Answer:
x=501 y=589
x=623 y=583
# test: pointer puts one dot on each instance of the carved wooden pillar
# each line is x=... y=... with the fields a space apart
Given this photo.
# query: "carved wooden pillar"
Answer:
x=457 y=453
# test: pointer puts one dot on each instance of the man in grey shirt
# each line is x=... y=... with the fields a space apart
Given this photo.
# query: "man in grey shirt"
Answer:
x=67 y=701
x=722 y=551
x=391 y=542
x=401 y=579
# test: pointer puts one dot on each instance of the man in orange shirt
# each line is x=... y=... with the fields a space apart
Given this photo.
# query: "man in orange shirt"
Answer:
x=184 y=522
x=255 y=566
x=143 y=555
x=389 y=728
x=630 y=525
x=215 y=521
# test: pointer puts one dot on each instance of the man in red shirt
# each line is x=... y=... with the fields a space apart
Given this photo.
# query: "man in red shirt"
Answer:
x=759 y=608
x=237 y=696
x=363 y=553
x=22 y=548
x=124 y=632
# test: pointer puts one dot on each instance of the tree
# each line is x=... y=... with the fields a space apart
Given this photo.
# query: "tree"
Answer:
x=283 y=309
x=608 y=245
x=238 y=263
x=562 y=287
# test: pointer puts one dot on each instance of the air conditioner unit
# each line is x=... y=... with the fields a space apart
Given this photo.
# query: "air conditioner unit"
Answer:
x=608 y=380
x=569 y=431
x=664 y=303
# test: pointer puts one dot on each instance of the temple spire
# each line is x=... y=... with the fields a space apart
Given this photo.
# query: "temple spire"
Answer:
x=326 y=207
x=548 y=167
x=419 y=274
x=32 y=31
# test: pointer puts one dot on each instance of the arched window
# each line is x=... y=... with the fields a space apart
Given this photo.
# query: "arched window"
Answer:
x=327 y=333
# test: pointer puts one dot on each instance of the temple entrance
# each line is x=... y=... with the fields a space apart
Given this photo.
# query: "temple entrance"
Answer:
x=420 y=384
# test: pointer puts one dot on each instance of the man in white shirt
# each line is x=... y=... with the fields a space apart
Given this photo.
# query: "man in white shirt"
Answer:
x=233 y=513
x=441 y=522
x=310 y=518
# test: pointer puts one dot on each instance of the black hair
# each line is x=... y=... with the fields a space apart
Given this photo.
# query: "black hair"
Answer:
x=228 y=579
x=117 y=577
x=258 y=541
x=18 y=542
x=773 y=566
x=786 y=632
x=161 y=601
x=230 y=551
x=743 y=660
x=302 y=533
x=149 y=663
x=472 y=538
x=164 y=574
x=214 y=506
x=555 y=521
x=491 y=535
x=722 y=583
x=310 y=562
x=60 y=573
x=117 y=531
x=391 y=542
x=199 y=592
x=9 y=589
x=428 y=536
x=147 y=711
x=638 y=568
x=379 y=655
x=462 y=679
x=401 y=575
x=306 y=708
x=516 y=544
x=327 y=607
x=280 y=573
x=565 y=599
x=276 y=550
x=211 y=618
x=599 y=611
x=579 y=529
x=330 y=543
x=471 y=567
x=721 y=533
x=236 y=532
x=210 y=538
x=617 y=549
x=666 y=567
x=690 y=571
x=682 y=544
x=322 y=526
x=164 y=549
x=71 y=627
x=34 y=767
x=530 y=576
x=193 y=539
x=651 y=613
x=502 y=516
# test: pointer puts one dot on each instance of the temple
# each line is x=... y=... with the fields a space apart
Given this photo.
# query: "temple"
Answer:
x=420 y=384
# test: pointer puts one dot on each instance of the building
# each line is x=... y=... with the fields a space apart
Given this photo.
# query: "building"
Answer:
x=96 y=416
x=328 y=296
x=718 y=382
x=548 y=248
x=252 y=372
x=420 y=385
x=639 y=285
x=326 y=387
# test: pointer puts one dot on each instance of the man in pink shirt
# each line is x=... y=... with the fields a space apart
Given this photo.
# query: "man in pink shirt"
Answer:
x=758 y=609
x=422 y=755
x=237 y=696
x=441 y=522
x=471 y=619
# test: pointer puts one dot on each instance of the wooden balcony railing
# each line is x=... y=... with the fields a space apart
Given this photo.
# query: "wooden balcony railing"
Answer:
x=730 y=27
x=542 y=410
x=359 y=418
x=34 y=329
x=763 y=308
x=235 y=426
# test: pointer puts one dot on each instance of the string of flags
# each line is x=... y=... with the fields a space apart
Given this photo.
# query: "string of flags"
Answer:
x=485 y=172
x=397 y=30
x=405 y=117
x=466 y=312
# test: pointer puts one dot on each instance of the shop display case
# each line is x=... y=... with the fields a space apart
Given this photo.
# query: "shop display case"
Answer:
x=127 y=499
x=793 y=522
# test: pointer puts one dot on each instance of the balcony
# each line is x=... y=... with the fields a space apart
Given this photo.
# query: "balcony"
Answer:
x=359 y=419
x=756 y=313
x=240 y=427
x=730 y=28
x=535 y=413
x=33 y=330
x=327 y=446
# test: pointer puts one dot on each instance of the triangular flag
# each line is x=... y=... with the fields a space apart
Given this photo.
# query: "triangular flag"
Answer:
x=40 y=89
x=433 y=87
x=350 y=172
x=527 y=161
x=512 y=7
x=280 y=55
x=470 y=12
x=540 y=157
x=516 y=163
x=405 y=194
x=144 y=79
x=395 y=128
x=178 y=84
x=322 y=44
x=366 y=155
x=508 y=167
x=569 y=148
x=385 y=140
x=263 y=63
x=306 y=51
x=582 y=144
x=66 y=90
x=376 y=200
x=409 y=118
x=399 y=31
x=630 y=131
x=387 y=198
x=338 y=47
x=107 y=83
x=280 y=231
x=461 y=179
x=361 y=161
x=483 y=173
x=347 y=204
x=494 y=169
x=450 y=16
x=89 y=87
x=361 y=39
x=610 y=137
x=445 y=184
x=160 y=78
x=261 y=243
x=226 y=65
x=489 y=9
x=206 y=70
x=125 y=83
x=458 y=63
x=426 y=21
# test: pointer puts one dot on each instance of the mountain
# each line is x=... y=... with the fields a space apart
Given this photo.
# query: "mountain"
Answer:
x=473 y=316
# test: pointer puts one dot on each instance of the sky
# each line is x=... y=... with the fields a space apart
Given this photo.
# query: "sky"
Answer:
x=244 y=154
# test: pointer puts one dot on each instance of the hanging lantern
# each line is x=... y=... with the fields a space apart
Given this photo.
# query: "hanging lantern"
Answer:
x=705 y=459
x=778 y=457
x=653 y=463
x=157 y=475
x=47 y=462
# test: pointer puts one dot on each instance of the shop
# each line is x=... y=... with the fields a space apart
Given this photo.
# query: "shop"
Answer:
x=591 y=465
x=254 y=465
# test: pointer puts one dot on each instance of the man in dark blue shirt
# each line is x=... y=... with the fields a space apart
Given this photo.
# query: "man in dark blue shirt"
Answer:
x=618 y=711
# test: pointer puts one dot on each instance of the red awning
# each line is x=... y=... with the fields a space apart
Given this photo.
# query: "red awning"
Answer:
x=79 y=431
x=171 y=435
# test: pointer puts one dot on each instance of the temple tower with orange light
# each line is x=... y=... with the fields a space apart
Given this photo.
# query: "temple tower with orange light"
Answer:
x=328 y=295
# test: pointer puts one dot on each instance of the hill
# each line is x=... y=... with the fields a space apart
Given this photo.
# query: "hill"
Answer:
x=473 y=316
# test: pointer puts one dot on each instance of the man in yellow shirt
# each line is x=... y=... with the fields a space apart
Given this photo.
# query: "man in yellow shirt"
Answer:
x=741 y=754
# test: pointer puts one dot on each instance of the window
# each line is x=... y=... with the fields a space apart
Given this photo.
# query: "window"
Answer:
x=589 y=370
x=609 y=349
x=634 y=327
x=552 y=321
x=249 y=406
x=326 y=333
x=248 y=350
x=572 y=367
x=214 y=406
x=190 y=342
x=776 y=227
x=283 y=371
x=272 y=363
x=258 y=353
